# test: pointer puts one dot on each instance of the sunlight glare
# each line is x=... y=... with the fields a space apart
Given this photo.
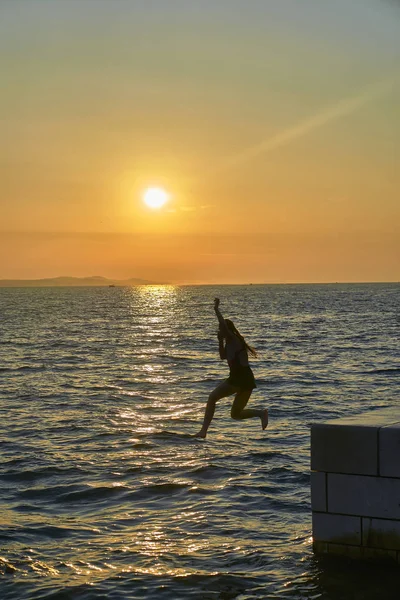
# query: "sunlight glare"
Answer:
x=155 y=197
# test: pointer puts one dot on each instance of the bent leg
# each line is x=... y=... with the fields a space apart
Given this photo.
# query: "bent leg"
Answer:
x=239 y=412
x=221 y=391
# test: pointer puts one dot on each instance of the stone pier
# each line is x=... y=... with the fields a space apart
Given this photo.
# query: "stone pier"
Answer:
x=355 y=486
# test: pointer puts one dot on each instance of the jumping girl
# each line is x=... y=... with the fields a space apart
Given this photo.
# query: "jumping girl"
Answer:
x=233 y=348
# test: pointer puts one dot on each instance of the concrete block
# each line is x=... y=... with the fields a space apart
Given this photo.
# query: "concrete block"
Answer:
x=361 y=553
x=349 y=444
x=343 y=550
x=371 y=418
x=320 y=547
x=318 y=491
x=381 y=533
x=365 y=496
x=378 y=555
x=339 y=529
x=389 y=451
x=344 y=448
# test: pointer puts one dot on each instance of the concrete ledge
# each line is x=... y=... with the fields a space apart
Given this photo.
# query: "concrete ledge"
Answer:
x=344 y=449
x=345 y=550
x=336 y=528
x=381 y=533
x=389 y=451
x=318 y=491
x=355 y=486
x=364 y=496
x=350 y=445
x=357 y=552
x=320 y=547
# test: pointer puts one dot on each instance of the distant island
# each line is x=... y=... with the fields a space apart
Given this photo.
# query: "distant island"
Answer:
x=95 y=281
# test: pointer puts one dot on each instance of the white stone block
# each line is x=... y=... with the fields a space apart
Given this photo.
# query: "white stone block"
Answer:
x=338 y=529
x=365 y=496
x=381 y=533
x=378 y=555
x=389 y=451
x=375 y=555
x=318 y=491
x=350 y=444
x=372 y=418
x=345 y=550
x=342 y=448
x=320 y=547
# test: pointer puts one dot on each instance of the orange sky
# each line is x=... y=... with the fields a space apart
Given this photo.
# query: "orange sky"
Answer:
x=275 y=128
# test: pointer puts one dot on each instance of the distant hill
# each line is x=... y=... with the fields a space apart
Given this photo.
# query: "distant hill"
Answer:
x=95 y=281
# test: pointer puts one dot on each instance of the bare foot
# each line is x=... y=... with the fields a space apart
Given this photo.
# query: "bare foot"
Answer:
x=264 y=419
x=201 y=434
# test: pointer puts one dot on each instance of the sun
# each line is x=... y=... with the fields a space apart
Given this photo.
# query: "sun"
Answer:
x=155 y=197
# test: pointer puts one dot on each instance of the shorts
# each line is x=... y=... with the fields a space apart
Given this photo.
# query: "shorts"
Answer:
x=242 y=377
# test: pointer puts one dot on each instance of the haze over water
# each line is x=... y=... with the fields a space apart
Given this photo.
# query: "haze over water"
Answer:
x=103 y=492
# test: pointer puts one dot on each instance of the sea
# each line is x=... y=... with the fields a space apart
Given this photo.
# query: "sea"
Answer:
x=104 y=491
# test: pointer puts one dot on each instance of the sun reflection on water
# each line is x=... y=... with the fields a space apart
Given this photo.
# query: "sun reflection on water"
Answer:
x=157 y=295
x=159 y=547
x=154 y=310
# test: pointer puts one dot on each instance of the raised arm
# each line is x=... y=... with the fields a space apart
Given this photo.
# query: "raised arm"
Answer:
x=222 y=325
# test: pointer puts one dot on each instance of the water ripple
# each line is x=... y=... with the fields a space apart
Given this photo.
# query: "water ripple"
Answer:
x=106 y=494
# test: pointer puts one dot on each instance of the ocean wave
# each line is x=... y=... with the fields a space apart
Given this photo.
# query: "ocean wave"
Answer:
x=22 y=533
x=383 y=371
x=104 y=491
x=24 y=368
x=71 y=493
x=27 y=475
x=156 y=490
x=91 y=494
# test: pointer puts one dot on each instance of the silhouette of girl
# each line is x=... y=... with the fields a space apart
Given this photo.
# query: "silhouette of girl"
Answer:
x=240 y=382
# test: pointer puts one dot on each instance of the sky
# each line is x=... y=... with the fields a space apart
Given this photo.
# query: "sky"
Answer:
x=273 y=125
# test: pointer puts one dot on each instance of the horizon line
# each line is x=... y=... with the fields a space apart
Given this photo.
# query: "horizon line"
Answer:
x=147 y=282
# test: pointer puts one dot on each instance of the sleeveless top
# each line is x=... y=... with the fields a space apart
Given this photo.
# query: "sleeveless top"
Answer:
x=240 y=374
x=236 y=354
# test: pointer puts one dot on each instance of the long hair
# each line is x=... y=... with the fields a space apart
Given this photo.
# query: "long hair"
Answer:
x=230 y=325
